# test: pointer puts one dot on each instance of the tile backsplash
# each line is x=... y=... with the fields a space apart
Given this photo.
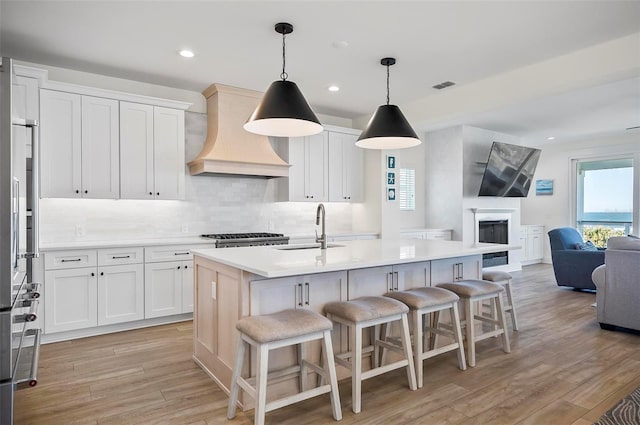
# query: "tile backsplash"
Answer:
x=213 y=204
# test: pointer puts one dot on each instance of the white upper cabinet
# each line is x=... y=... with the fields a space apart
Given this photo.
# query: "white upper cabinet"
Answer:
x=60 y=132
x=100 y=148
x=136 y=151
x=346 y=168
x=80 y=157
x=151 y=152
x=308 y=173
x=168 y=153
x=324 y=167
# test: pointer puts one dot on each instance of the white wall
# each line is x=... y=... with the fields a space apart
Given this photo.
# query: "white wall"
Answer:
x=555 y=164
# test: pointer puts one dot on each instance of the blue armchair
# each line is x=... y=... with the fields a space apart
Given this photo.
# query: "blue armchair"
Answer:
x=572 y=267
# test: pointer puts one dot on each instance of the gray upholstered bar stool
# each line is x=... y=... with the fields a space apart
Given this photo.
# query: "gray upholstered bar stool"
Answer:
x=271 y=331
x=471 y=292
x=428 y=300
x=363 y=313
x=504 y=279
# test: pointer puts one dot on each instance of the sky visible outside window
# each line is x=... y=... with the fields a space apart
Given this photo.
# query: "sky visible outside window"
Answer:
x=608 y=190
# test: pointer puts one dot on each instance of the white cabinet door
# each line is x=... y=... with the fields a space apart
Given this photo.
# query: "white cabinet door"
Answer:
x=316 y=151
x=168 y=153
x=297 y=171
x=162 y=289
x=136 y=151
x=70 y=298
x=120 y=294
x=534 y=247
x=453 y=269
x=61 y=144
x=272 y=295
x=346 y=168
x=373 y=281
x=187 y=286
x=100 y=148
x=412 y=275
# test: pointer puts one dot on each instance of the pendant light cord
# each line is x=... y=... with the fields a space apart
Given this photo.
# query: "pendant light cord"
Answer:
x=284 y=74
x=387 y=84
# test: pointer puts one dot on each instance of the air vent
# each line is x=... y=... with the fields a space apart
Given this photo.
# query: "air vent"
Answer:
x=444 y=85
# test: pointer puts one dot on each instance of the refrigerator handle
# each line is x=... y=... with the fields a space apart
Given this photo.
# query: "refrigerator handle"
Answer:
x=35 y=187
x=16 y=222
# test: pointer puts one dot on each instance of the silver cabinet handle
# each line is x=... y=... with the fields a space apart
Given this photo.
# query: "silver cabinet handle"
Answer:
x=300 y=294
x=70 y=261
x=180 y=253
x=396 y=279
x=115 y=257
x=306 y=286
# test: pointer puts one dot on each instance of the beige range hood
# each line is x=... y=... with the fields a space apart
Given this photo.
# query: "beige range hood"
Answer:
x=229 y=148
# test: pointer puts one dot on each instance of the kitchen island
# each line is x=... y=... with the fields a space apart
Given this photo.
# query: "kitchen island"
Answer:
x=232 y=283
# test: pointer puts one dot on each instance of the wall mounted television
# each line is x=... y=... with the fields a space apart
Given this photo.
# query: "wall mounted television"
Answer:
x=509 y=170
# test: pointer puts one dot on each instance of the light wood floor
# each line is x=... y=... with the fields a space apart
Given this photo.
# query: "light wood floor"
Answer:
x=562 y=370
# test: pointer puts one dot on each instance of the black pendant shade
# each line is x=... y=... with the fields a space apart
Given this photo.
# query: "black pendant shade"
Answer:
x=283 y=112
x=388 y=128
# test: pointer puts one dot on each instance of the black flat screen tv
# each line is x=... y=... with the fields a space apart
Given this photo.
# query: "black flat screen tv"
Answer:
x=509 y=170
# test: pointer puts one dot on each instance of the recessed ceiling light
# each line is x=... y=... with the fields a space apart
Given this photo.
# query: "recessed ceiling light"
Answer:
x=551 y=138
x=334 y=88
x=340 y=44
x=186 y=53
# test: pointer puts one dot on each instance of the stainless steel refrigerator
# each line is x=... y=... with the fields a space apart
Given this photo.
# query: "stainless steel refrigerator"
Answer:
x=19 y=296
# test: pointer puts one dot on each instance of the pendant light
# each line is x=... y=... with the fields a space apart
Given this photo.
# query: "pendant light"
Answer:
x=283 y=110
x=388 y=128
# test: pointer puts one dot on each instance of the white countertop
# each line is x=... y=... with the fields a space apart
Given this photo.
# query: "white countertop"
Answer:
x=187 y=240
x=269 y=261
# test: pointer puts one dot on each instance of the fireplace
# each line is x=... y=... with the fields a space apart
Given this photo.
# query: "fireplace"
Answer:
x=494 y=231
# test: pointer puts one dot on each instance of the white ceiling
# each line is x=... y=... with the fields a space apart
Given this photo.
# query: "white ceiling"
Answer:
x=433 y=41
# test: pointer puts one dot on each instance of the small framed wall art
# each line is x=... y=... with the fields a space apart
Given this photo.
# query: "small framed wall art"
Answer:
x=544 y=187
x=391 y=178
x=391 y=162
x=391 y=193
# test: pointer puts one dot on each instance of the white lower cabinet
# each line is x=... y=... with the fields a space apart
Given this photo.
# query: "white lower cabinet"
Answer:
x=531 y=240
x=454 y=269
x=168 y=288
x=70 y=299
x=376 y=281
x=120 y=294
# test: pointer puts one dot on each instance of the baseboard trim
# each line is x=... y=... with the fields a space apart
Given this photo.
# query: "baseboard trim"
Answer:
x=119 y=327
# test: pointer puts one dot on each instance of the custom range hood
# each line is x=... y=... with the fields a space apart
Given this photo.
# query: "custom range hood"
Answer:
x=229 y=148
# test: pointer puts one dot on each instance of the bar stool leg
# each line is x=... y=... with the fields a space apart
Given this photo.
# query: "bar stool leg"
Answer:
x=261 y=384
x=505 y=335
x=512 y=306
x=330 y=366
x=302 y=355
x=470 y=331
x=406 y=347
x=418 y=344
x=457 y=331
x=433 y=341
x=356 y=372
x=235 y=388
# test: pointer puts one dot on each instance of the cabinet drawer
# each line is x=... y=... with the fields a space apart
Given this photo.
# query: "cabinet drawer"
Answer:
x=534 y=230
x=157 y=254
x=115 y=256
x=56 y=260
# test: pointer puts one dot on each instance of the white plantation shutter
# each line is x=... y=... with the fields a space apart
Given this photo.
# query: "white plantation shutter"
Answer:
x=407 y=189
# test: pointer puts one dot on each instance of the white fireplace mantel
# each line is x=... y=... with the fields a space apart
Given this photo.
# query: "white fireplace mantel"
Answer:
x=493 y=210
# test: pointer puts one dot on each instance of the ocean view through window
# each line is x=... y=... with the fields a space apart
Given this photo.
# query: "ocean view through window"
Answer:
x=604 y=199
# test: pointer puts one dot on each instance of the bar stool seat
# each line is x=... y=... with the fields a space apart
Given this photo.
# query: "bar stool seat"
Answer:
x=429 y=300
x=471 y=292
x=271 y=331
x=504 y=279
x=368 y=312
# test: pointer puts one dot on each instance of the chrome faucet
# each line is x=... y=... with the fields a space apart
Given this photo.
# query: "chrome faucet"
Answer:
x=323 y=238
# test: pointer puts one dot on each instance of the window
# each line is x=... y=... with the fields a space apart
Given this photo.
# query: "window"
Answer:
x=407 y=189
x=604 y=198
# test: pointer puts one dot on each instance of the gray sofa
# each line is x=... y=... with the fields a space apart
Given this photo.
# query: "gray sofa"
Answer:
x=618 y=284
